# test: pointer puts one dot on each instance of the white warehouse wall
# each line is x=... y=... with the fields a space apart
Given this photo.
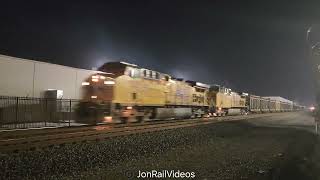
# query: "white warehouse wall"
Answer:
x=48 y=76
x=21 y=77
x=16 y=77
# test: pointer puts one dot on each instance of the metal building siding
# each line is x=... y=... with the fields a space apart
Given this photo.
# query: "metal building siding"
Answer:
x=16 y=77
x=22 y=77
x=48 y=76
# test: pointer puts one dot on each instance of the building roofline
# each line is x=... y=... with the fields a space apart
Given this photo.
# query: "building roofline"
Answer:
x=41 y=62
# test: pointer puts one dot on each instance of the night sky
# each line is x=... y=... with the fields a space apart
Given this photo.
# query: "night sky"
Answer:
x=254 y=46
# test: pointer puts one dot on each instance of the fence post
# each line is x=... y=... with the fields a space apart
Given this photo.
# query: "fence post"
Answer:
x=70 y=112
x=16 y=109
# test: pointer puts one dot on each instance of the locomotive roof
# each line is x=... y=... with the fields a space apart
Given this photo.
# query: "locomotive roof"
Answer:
x=199 y=84
x=131 y=65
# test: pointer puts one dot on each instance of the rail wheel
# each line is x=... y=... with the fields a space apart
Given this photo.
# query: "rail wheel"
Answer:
x=124 y=120
x=140 y=119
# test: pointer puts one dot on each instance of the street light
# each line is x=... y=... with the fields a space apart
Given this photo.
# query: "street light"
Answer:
x=308 y=32
x=308 y=39
x=312 y=46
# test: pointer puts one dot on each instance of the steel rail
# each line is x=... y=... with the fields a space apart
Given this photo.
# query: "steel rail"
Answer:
x=104 y=132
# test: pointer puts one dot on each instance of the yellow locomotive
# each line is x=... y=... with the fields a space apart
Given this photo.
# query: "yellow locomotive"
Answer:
x=223 y=101
x=127 y=92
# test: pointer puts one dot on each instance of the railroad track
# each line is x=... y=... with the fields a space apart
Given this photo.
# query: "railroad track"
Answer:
x=39 y=139
x=14 y=134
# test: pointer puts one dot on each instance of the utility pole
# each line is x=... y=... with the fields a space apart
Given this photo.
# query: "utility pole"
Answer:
x=314 y=56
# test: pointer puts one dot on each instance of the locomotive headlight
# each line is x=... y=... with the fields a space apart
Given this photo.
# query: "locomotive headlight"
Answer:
x=85 y=83
x=93 y=97
x=108 y=119
x=95 y=78
x=109 y=82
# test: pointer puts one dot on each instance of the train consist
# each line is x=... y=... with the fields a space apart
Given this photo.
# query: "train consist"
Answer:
x=126 y=92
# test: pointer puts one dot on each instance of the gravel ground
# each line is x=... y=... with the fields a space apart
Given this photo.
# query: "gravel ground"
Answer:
x=226 y=150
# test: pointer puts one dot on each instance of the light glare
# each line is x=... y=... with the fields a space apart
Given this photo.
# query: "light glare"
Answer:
x=109 y=82
x=85 y=83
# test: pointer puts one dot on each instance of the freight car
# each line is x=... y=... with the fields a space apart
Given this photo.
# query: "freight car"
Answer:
x=132 y=93
x=258 y=104
x=286 y=106
x=254 y=103
x=297 y=107
x=281 y=104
